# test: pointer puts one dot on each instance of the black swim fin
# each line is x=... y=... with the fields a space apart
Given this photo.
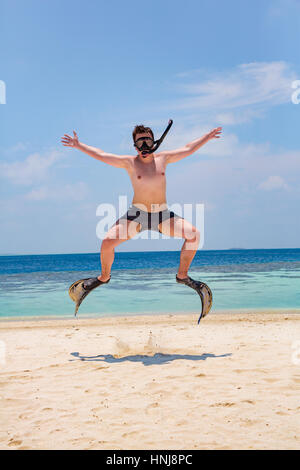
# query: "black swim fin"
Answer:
x=204 y=292
x=80 y=289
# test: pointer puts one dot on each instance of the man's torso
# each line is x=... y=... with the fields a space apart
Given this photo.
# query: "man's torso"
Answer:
x=149 y=183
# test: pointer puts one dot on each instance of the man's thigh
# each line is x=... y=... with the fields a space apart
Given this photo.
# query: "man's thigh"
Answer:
x=177 y=227
x=123 y=230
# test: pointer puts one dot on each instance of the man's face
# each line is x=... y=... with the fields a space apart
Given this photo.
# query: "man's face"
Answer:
x=143 y=137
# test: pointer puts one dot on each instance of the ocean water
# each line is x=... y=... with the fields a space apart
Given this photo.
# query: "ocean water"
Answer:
x=144 y=282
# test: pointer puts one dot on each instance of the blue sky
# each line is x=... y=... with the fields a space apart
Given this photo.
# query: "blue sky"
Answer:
x=103 y=67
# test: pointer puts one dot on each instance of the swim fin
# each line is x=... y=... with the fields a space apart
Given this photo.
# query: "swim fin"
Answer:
x=80 y=289
x=204 y=292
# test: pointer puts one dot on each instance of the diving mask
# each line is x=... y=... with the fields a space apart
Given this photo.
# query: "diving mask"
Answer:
x=144 y=143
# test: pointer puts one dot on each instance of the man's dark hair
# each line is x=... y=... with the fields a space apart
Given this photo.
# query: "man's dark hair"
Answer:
x=140 y=129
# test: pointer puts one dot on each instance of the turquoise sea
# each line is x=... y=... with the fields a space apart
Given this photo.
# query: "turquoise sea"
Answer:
x=144 y=282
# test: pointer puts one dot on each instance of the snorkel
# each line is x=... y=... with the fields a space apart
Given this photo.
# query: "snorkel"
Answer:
x=146 y=150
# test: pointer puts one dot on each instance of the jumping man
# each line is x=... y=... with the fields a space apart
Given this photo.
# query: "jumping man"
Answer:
x=149 y=210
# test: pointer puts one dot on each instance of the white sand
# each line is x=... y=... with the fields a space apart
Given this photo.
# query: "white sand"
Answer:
x=230 y=383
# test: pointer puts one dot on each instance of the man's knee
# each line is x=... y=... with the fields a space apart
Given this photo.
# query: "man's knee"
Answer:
x=109 y=243
x=193 y=236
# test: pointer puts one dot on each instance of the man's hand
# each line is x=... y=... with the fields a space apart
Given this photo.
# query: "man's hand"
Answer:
x=215 y=133
x=119 y=161
x=69 y=141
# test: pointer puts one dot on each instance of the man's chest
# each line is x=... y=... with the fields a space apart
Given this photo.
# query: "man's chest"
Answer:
x=149 y=171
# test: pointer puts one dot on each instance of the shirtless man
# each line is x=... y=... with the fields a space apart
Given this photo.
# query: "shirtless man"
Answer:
x=149 y=208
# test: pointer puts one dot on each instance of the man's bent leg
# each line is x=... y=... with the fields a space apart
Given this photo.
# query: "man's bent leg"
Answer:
x=178 y=227
x=120 y=232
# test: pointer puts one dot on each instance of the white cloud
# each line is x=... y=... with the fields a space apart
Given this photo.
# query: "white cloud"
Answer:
x=31 y=170
x=280 y=8
x=237 y=95
x=272 y=183
x=225 y=146
x=77 y=192
x=227 y=98
x=236 y=174
x=238 y=116
x=18 y=147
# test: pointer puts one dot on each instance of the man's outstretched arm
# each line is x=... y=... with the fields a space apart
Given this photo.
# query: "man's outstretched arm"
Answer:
x=118 y=161
x=173 y=156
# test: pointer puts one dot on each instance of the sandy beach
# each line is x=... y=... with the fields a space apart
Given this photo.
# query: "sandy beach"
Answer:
x=151 y=382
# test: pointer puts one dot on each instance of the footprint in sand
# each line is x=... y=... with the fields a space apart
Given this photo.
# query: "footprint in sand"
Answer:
x=128 y=411
x=14 y=442
x=225 y=404
x=129 y=434
x=188 y=395
x=182 y=423
x=248 y=422
x=270 y=380
x=151 y=385
x=153 y=408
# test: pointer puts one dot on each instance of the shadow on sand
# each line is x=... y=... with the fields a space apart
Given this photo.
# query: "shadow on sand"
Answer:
x=147 y=360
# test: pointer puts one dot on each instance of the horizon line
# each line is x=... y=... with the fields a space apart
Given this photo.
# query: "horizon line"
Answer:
x=142 y=251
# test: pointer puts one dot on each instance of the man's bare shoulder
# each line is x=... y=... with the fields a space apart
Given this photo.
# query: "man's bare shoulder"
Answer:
x=129 y=158
x=161 y=155
x=128 y=161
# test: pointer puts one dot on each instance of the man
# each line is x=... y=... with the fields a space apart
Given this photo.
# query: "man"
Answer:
x=149 y=208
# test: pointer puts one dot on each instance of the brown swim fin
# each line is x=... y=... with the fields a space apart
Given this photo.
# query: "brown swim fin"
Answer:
x=204 y=292
x=80 y=289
